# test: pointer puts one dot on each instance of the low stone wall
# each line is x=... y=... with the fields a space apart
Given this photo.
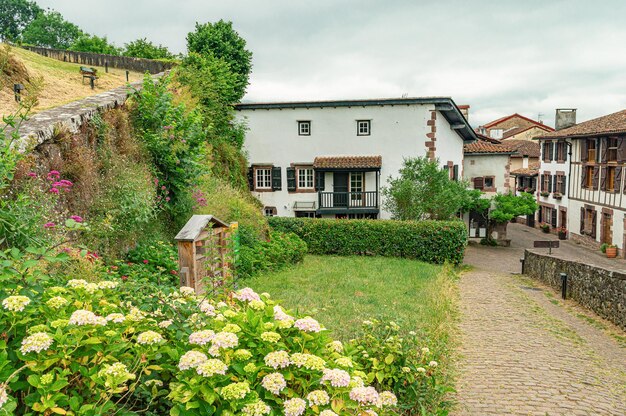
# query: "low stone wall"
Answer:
x=601 y=290
x=97 y=59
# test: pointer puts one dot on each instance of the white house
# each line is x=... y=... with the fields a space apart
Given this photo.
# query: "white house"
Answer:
x=330 y=158
x=594 y=204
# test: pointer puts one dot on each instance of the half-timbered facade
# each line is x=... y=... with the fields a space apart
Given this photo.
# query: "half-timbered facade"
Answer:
x=594 y=197
x=330 y=158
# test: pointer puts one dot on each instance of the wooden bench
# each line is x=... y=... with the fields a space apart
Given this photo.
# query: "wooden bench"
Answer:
x=89 y=73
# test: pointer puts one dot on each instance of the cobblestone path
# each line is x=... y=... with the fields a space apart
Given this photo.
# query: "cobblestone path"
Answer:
x=524 y=352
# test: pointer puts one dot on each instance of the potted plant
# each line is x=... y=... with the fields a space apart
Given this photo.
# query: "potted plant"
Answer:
x=545 y=227
x=611 y=251
x=562 y=233
x=557 y=195
x=544 y=193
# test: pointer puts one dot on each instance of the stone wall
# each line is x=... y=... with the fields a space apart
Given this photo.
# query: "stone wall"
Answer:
x=97 y=59
x=601 y=290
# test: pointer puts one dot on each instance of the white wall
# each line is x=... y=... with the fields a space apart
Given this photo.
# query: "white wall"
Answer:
x=397 y=131
x=486 y=165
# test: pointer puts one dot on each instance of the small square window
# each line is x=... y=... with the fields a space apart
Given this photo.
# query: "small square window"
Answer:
x=304 y=128
x=270 y=211
x=488 y=182
x=363 y=127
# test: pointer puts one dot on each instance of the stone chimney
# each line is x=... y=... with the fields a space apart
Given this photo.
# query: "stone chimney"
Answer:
x=465 y=110
x=565 y=117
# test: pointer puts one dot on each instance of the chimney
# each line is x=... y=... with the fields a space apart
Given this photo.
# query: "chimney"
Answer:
x=565 y=117
x=464 y=108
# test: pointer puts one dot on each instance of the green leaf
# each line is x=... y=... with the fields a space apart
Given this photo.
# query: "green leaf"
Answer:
x=389 y=359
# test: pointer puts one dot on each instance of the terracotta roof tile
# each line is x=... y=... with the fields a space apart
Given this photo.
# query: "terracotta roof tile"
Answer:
x=501 y=119
x=486 y=147
x=611 y=123
x=347 y=162
x=531 y=170
x=523 y=147
x=518 y=130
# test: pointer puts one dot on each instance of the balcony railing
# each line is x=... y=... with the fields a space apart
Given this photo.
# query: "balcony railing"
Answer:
x=348 y=200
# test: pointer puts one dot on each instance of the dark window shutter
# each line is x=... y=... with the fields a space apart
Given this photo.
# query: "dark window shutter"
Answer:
x=594 y=219
x=563 y=184
x=446 y=168
x=551 y=151
x=621 y=150
x=291 y=179
x=540 y=215
x=596 y=177
x=550 y=177
x=553 y=217
x=320 y=181
x=251 y=178
x=583 y=151
x=583 y=182
x=582 y=221
x=603 y=175
x=277 y=182
x=604 y=143
x=478 y=183
x=541 y=183
x=544 y=152
x=565 y=150
x=618 y=179
x=455 y=172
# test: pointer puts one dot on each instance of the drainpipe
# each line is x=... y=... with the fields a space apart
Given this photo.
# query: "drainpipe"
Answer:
x=569 y=173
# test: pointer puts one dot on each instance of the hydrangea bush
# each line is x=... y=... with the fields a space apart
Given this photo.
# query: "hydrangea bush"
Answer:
x=72 y=346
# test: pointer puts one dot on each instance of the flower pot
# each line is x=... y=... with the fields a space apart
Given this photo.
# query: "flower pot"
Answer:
x=611 y=252
x=546 y=230
x=562 y=235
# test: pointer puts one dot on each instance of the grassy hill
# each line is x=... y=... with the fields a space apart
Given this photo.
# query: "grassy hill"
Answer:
x=61 y=81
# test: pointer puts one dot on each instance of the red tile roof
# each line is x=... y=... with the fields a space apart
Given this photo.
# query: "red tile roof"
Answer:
x=486 y=147
x=348 y=162
x=531 y=170
x=523 y=147
x=611 y=123
x=500 y=120
x=519 y=130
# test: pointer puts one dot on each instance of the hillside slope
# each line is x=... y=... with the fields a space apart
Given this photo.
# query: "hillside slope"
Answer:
x=62 y=81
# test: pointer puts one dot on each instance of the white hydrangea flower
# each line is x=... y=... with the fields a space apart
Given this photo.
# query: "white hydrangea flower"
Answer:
x=309 y=361
x=116 y=374
x=336 y=377
x=15 y=303
x=246 y=294
x=335 y=346
x=364 y=395
x=4 y=397
x=274 y=382
x=77 y=283
x=135 y=315
x=433 y=364
x=149 y=338
x=107 y=284
x=118 y=318
x=258 y=408
x=270 y=336
x=207 y=308
x=318 y=398
x=257 y=305
x=328 y=413
x=82 y=317
x=280 y=315
x=165 y=324
x=308 y=324
x=234 y=328
x=201 y=337
x=387 y=398
x=187 y=291
x=294 y=407
x=191 y=359
x=211 y=367
x=277 y=359
x=37 y=342
x=356 y=381
x=225 y=340
x=345 y=362
x=57 y=302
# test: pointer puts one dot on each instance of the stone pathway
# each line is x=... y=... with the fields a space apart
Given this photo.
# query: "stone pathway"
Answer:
x=523 y=352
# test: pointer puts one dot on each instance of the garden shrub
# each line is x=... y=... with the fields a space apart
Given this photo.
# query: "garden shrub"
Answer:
x=430 y=241
x=117 y=347
x=257 y=255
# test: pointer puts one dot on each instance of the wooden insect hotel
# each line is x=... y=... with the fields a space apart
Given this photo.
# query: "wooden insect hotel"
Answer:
x=207 y=247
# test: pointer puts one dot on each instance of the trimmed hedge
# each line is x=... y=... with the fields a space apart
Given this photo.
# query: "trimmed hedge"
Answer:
x=430 y=241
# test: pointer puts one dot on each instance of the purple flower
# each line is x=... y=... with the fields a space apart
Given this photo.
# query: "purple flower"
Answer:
x=65 y=182
x=163 y=188
x=167 y=199
x=49 y=225
x=53 y=175
x=32 y=174
x=54 y=190
x=77 y=218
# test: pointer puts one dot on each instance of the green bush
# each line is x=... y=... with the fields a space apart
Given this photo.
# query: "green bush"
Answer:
x=430 y=241
x=257 y=255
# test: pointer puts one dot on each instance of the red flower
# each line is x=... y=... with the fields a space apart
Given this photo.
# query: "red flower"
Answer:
x=54 y=190
x=49 y=225
x=124 y=278
x=145 y=262
x=77 y=218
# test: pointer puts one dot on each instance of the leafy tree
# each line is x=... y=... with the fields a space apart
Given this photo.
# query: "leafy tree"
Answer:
x=423 y=191
x=221 y=41
x=143 y=48
x=95 y=44
x=509 y=206
x=15 y=15
x=50 y=29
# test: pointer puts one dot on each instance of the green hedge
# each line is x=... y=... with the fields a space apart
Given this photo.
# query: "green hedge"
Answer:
x=430 y=241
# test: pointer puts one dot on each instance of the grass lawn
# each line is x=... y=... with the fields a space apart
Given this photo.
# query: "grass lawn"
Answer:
x=341 y=292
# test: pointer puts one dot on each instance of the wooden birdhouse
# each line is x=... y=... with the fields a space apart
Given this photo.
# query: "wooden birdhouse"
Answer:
x=206 y=250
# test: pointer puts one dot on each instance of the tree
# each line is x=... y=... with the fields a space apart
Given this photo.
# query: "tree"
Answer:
x=143 y=48
x=95 y=44
x=509 y=206
x=221 y=41
x=15 y=15
x=50 y=30
x=423 y=191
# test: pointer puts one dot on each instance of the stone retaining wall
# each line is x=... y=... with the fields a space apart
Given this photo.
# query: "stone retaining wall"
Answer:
x=97 y=59
x=601 y=290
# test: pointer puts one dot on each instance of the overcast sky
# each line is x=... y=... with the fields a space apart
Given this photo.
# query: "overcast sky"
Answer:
x=500 y=57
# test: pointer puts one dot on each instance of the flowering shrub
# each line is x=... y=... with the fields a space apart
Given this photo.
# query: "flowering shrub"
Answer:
x=402 y=364
x=105 y=347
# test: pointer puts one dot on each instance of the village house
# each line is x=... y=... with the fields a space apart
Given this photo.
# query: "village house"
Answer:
x=331 y=158
x=592 y=155
x=514 y=127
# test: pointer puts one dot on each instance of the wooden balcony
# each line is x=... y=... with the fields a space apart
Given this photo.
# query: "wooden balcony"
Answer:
x=348 y=202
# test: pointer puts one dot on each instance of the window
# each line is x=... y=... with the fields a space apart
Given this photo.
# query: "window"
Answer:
x=609 y=185
x=561 y=152
x=589 y=177
x=560 y=184
x=363 y=127
x=263 y=178
x=496 y=133
x=589 y=222
x=304 y=128
x=591 y=150
x=489 y=182
x=356 y=188
x=547 y=150
x=611 y=150
x=549 y=216
x=270 y=211
x=479 y=183
x=305 y=178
